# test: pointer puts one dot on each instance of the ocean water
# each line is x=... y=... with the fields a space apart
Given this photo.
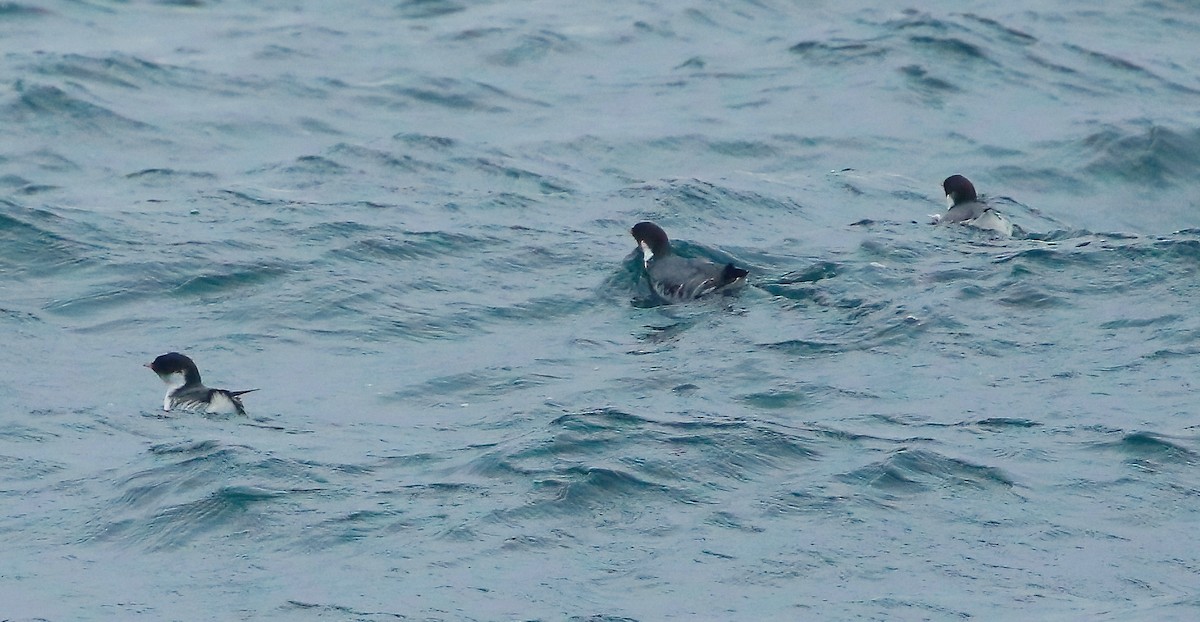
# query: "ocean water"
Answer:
x=406 y=224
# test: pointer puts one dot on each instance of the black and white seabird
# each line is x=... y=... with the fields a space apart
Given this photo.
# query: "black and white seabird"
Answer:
x=678 y=279
x=968 y=209
x=185 y=391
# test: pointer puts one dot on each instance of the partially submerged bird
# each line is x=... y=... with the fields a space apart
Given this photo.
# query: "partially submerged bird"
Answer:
x=678 y=279
x=968 y=209
x=185 y=391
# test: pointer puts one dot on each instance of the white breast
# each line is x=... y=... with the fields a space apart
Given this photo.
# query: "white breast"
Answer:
x=991 y=220
x=221 y=403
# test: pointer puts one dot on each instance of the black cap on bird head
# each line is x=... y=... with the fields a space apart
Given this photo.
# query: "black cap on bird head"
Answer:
x=959 y=189
x=175 y=363
x=652 y=236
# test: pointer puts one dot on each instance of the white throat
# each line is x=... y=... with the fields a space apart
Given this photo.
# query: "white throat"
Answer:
x=949 y=201
x=174 y=380
x=647 y=254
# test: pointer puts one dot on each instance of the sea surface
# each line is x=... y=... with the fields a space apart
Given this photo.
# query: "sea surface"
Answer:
x=407 y=224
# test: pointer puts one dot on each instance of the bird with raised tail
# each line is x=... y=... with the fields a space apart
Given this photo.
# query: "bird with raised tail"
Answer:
x=966 y=208
x=679 y=279
x=186 y=392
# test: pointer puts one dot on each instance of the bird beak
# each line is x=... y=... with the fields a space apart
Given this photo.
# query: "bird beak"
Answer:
x=148 y=365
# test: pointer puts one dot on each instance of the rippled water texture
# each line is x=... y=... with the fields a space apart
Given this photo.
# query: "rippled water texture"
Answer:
x=407 y=224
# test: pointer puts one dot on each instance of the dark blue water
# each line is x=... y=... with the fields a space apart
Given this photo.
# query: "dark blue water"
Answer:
x=407 y=225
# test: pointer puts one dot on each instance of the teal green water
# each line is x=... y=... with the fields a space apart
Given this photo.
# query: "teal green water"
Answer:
x=407 y=225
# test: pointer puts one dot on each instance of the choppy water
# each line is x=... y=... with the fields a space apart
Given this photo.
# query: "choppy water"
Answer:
x=407 y=224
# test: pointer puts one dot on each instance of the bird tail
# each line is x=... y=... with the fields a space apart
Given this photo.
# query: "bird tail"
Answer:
x=732 y=273
x=237 y=393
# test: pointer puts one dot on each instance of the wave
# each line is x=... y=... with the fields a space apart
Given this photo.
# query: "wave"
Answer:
x=429 y=9
x=34 y=242
x=1153 y=155
x=52 y=109
x=1150 y=447
x=177 y=279
x=199 y=487
x=910 y=471
x=10 y=10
